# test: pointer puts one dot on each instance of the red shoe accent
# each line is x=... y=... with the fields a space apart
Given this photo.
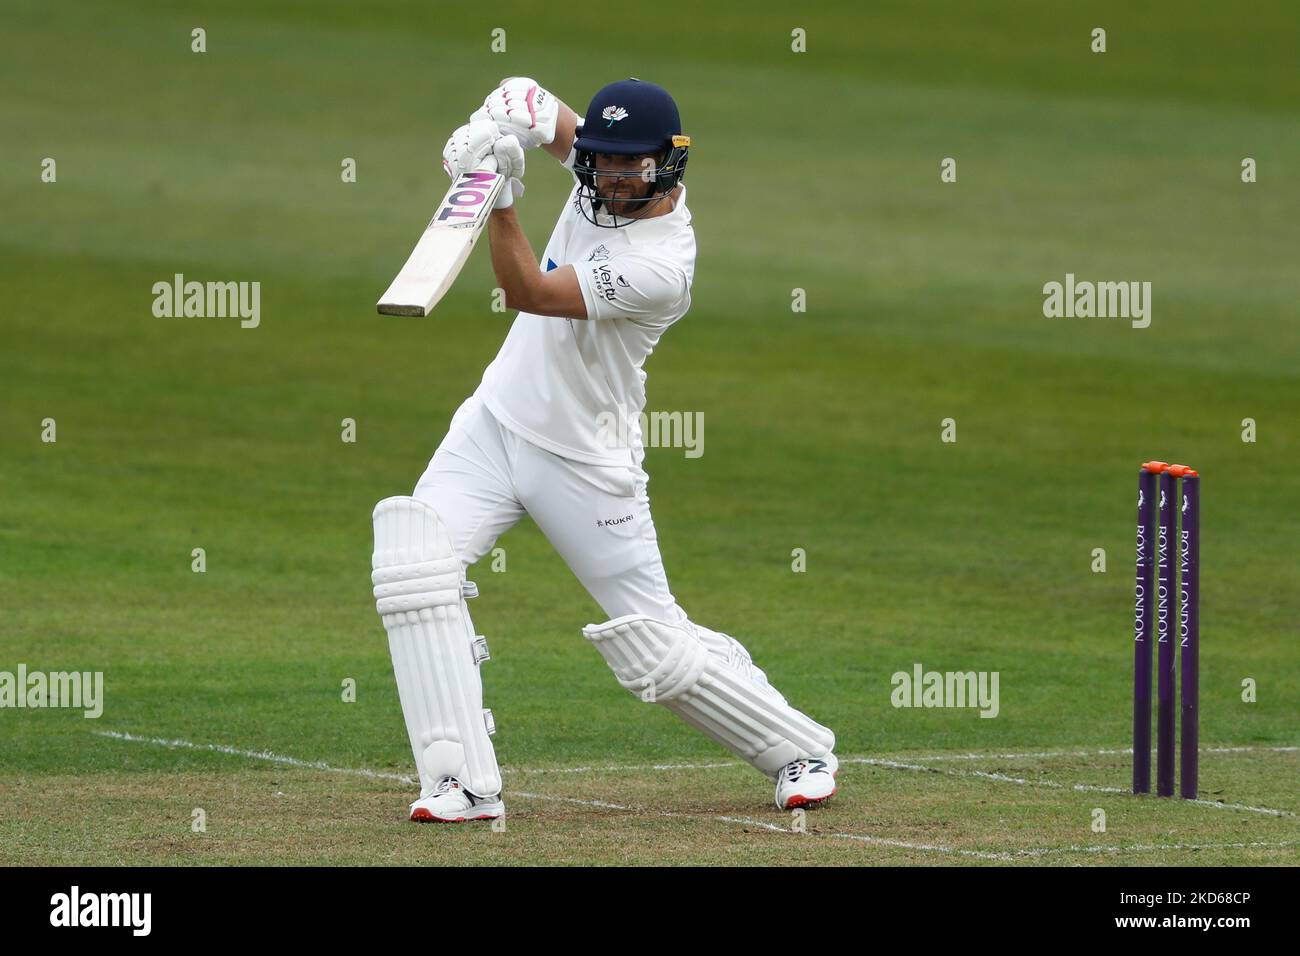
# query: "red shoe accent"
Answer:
x=422 y=815
x=808 y=802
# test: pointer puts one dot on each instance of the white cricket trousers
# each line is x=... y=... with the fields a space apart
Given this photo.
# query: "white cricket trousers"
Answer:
x=483 y=478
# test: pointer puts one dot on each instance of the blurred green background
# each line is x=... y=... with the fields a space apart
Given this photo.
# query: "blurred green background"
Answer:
x=815 y=170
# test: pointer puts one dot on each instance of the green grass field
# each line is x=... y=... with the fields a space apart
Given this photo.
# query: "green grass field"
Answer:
x=815 y=170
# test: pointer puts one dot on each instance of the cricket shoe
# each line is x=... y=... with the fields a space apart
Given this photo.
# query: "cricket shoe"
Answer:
x=452 y=803
x=806 y=783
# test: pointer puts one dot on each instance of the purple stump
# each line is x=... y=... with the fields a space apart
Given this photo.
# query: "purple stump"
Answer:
x=1189 y=631
x=1142 y=636
x=1165 y=676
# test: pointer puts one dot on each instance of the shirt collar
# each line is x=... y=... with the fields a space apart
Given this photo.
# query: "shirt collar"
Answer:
x=660 y=227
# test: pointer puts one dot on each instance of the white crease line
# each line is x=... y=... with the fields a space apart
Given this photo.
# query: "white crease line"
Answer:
x=1018 y=756
x=614 y=768
x=874 y=761
x=1108 y=752
x=322 y=765
x=1050 y=784
x=371 y=774
x=1147 y=848
x=256 y=755
x=1012 y=854
x=602 y=804
x=867 y=838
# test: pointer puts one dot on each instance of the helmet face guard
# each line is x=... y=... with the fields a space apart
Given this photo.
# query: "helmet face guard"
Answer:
x=667 y=167
x=629 y=118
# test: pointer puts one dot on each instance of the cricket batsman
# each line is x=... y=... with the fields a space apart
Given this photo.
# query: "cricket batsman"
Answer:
x=553 y=431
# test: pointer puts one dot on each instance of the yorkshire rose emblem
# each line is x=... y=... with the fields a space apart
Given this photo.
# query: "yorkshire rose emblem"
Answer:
x=613 y=114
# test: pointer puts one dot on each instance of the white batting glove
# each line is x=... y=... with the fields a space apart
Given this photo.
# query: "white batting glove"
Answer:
x=521 y=108
x=510 y=163
x=468 y=148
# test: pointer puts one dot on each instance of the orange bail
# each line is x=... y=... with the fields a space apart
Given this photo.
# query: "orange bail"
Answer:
x=1182 y=471
x=1155 y=467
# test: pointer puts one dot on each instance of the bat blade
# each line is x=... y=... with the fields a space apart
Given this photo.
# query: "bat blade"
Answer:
x=444 y=247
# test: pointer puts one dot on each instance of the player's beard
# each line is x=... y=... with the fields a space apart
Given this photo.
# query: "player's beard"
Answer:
x=627 y=200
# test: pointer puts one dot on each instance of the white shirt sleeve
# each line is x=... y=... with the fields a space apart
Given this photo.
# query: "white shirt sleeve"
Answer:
x=633 y=285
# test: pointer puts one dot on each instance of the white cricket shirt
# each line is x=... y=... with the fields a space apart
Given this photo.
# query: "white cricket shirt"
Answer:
x=575 y=387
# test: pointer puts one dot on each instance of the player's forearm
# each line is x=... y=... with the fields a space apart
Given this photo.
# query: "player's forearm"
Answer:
x=528 y=289
x=565 y=132
x=512 y=259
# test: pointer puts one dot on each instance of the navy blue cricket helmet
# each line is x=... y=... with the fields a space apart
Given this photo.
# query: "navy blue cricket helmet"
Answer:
x=628 y=118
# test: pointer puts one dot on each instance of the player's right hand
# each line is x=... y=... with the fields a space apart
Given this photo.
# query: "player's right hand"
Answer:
x=521 y=108
x=510 y=163
x=469 y=147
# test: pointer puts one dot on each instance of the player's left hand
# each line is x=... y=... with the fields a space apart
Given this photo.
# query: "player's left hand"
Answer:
x=469 y=148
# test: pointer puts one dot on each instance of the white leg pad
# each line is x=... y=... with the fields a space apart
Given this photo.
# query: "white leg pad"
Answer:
x=709 y=680
x=420 y=592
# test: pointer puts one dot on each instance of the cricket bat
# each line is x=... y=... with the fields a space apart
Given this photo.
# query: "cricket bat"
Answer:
x=445 y=246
